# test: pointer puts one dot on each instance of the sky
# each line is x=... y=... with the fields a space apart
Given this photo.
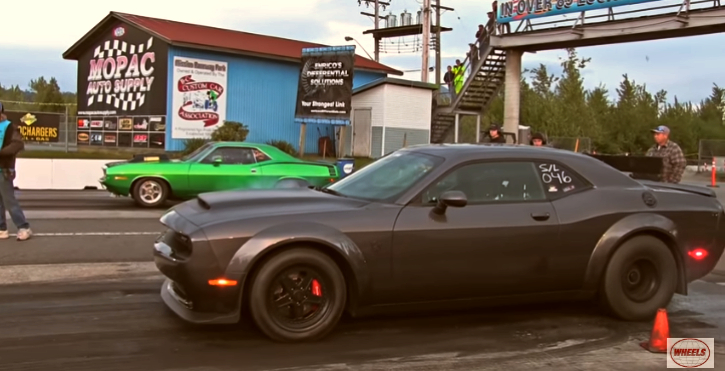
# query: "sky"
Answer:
x=685 y=67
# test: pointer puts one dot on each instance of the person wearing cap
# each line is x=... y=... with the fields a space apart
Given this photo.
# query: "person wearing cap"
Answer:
x=494 y=134
x=12 y=144
x=673 y=160
x=538 y=140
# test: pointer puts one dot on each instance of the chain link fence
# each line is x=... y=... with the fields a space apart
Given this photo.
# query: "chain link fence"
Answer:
x=709 y=150
x=47 y=126
x=574 y=144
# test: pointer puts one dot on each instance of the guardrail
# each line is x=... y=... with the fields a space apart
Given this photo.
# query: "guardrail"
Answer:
x=58 y=174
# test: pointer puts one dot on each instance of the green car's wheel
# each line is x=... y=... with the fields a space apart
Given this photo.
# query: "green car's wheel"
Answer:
x=150 y=192
x=292 y=183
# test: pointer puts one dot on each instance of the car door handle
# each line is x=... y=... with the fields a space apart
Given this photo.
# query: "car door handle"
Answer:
x=540 y=216
x=253 y=171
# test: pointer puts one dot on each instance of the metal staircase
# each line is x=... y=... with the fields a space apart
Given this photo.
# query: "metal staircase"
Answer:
x=478 y=91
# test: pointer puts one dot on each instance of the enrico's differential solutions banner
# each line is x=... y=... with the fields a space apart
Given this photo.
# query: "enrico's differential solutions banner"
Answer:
x=325 y=87
x=37 y=127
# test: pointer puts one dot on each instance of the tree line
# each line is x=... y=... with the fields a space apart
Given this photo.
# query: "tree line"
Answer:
x=560 y=106
x=42 y=95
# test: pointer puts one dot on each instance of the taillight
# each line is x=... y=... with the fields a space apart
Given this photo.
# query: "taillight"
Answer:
x=698 y=254
x=222 y=282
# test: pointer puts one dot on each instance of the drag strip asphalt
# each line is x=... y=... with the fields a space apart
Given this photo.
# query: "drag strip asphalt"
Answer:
x=76 y=200
x=83 y=294
x=123 y=325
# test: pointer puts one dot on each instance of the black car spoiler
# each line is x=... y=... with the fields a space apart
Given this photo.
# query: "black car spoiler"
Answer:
x=700 y=190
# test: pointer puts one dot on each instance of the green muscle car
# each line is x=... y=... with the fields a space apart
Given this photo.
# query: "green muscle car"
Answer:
x=216 y=166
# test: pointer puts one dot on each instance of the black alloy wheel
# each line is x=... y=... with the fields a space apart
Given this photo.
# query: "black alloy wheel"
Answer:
x=297 y=295
x=639 y=279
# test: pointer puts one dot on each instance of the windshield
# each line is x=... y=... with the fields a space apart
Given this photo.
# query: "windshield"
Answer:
x=388 y=177
x=193 y=155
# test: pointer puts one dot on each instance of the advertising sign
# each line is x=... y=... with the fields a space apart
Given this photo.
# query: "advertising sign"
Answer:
x=519 y=10
x=37 y=127
x=690 y=353
x=122 y=131
x=324 y=91
x=199 y=101
x=123 y=74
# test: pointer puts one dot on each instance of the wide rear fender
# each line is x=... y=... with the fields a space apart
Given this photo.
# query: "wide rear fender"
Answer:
x=622 y=230
x=331 y=240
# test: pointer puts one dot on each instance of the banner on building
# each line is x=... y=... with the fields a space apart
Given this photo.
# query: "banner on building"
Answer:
x=36 y=126
x=199 y=98
x=125 y=73
x=324 y=91
x=519 y=10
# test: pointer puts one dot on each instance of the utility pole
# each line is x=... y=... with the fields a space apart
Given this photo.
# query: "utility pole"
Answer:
x=438 y=42
x=376 y=5
x=426 y=39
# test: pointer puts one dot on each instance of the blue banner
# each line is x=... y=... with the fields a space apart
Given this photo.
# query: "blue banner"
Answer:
x=519 y=10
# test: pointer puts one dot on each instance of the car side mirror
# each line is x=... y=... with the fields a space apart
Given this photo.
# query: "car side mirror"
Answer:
x=217 y=161
x=452 y=199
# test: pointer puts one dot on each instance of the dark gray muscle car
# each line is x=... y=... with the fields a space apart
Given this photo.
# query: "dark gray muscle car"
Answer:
x=437 y=226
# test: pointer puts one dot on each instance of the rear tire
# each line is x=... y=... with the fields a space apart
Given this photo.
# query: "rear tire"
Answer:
x=640 y=278
x=150 y=192
x=312 y=321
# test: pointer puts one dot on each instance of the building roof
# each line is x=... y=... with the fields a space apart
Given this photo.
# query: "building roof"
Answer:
x=394 y=81
x=217 y=39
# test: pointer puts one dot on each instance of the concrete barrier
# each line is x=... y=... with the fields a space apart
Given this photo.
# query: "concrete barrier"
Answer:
x=60 y=174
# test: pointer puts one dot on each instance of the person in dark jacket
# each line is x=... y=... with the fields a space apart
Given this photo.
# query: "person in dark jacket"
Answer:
x=12 y=144
x=538 y=140
x=495 y=135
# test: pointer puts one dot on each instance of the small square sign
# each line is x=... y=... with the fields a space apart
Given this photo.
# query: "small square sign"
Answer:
x=690 y=353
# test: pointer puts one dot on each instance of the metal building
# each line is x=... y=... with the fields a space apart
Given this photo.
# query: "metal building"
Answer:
x=153 y=83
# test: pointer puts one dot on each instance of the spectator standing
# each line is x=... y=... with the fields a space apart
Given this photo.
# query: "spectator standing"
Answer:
x=458 y=71
x=481 y=37
x=448 y=80
x=673 y=160
x=495 y=135
x=538 y=140
x=12 y=144
x=473 y=55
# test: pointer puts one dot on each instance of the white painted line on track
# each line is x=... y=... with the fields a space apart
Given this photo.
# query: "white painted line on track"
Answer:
x=83 y=234
x=33 y=273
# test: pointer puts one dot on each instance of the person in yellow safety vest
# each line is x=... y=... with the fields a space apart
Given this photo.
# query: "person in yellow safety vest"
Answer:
x=458 y=71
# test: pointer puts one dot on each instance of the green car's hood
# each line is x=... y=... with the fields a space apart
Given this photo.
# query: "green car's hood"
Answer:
x=145 y=160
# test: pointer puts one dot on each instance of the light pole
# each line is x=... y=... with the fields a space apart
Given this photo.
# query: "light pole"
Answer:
x=348 y=38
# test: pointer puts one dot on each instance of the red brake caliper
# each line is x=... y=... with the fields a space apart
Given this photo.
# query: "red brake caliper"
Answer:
x=316 y=288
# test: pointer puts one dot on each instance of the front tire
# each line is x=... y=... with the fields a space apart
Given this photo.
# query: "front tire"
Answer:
x=640 y=278
x=150 y=192
x=297 y=295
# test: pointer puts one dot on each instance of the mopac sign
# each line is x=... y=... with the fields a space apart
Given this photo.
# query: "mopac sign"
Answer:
x=123 y=73
x=519 y=10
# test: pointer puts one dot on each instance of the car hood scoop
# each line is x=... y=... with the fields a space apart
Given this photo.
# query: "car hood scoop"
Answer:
x=216 y=206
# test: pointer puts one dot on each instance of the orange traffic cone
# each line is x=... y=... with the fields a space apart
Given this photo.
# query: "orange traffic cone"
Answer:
x=660 y=332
